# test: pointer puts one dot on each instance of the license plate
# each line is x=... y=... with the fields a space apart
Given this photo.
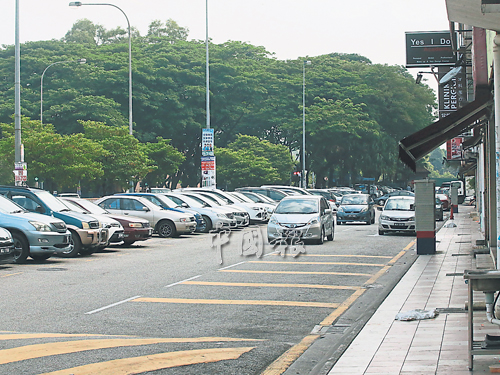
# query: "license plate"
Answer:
x=352 y=216
x=120 y=235
x=399 y=225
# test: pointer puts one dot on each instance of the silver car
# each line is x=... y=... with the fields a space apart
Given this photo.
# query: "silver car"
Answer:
x=301 y=217
x=398 y=215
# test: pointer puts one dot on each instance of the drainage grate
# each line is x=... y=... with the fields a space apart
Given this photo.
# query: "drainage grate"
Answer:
x=463 y=241
x=455 y=274
x=460 y=255
x=52 y=269
x=450 y=310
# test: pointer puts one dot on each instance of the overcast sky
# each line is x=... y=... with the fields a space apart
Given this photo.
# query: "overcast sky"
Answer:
x=289 y=28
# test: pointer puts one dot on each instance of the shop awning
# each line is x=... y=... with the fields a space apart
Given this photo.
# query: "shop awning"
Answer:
x=420 y=143
x=472 y=142
x=469 y=12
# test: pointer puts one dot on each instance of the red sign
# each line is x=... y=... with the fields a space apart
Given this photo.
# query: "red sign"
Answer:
x=454 y=148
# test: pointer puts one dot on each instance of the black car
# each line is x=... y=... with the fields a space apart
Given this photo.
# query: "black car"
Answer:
x=6 y=247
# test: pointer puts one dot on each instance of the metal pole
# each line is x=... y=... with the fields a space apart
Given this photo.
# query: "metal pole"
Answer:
x=81 y=61
x=304 y=179
x=78 y=3
x=17 y=84
x=207 y=67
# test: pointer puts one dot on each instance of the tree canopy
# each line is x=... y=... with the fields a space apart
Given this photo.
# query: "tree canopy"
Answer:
x=356 y=111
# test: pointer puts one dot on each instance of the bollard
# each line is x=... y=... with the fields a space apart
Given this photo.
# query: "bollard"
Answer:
x=451 y=213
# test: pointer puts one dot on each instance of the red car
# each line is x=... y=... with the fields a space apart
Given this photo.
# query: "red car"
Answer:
x=135 y=228
x=445 y=200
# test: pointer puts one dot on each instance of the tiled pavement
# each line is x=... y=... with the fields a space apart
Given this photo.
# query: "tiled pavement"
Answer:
x=432 y=346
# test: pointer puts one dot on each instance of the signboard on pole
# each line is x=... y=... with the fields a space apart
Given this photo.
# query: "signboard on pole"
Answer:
x=454 y=148
x=452 y=95
x=207 y=142
x=431 y=48
x=208 y=171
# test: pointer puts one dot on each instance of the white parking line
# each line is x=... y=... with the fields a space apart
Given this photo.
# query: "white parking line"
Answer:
x=233 y=265
x=112 y=305
x=180 y=282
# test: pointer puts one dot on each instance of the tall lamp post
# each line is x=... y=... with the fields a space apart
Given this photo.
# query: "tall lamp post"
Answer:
x=78 y=4
x=81 y=61
x=304 y=178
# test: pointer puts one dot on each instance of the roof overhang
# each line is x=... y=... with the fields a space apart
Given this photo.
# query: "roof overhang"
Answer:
x=420 y=143
x=469 y=13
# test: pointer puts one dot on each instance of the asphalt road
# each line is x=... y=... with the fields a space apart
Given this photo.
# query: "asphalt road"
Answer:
x=169 y=306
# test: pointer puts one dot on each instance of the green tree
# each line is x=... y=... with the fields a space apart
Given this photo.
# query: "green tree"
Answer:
x=165 y=157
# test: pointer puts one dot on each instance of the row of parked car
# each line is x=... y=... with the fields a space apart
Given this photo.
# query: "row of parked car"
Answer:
x=40 y=225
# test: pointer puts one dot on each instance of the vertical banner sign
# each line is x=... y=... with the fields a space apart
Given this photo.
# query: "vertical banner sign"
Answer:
x=207 y=159
x=20 y=173
x=452 y=96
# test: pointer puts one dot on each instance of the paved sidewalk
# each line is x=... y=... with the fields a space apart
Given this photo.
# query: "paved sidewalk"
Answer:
x=433 y=346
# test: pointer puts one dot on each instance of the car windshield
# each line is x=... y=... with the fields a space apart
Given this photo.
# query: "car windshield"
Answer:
x=202 y=201
x=55 y=204
x=353 y=199
x=242 y=198
x=167 y=202
x=9 y=207
x=399 y=205
x=74 y=207
x=297 y=206
x=91 y=207
x=184 y=199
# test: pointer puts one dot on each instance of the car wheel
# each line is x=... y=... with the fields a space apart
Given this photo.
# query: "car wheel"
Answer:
x=381 y=232
x=21 y=248
x=128 y=243
x=88 y=250
x=331 y=235
x=207 y=224
x=321 y=239
x=77 y=246
x=40 y=257
x=165 y=229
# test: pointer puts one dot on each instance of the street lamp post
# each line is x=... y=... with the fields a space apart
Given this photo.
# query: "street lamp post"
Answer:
x=78 y=4
x=81 y=61
x=304 y=179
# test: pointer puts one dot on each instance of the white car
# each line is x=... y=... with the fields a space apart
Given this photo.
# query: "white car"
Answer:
x=112 y=226
x=265 y=209
x=166 y=223
x=213 y=217
x=398 y=215
x=241 y=214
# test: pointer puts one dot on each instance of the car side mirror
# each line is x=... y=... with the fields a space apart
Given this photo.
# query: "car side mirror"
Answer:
x=145 y=209
x=379 y=208
x=40 y=210
x=185 y=205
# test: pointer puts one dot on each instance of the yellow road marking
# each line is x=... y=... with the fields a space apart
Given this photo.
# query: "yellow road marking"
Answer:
x=214 y=283
x=395 y=259
x=139 y=365
x=11 y=274
x=55 y=348
x=301 y=272
x=280 y=365
x=409 y=246
x=339 y=255
x=236 y=302
x=372 y=279
x=20 y=336
x=328 y=321
x=318 y=263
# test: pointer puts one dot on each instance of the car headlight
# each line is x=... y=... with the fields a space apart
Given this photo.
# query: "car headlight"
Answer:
x=364 y=209
x=41 y=227
x=313 y=221
x=255 y=208
x=222 y=215
x=384 y=217
x=85 y=225
x=412 y=218
x=340 y=209
x=273 y=220
x=183 y=219
x=135 y=225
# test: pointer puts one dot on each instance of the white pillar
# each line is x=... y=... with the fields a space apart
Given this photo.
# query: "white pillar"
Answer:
x=496 y=69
